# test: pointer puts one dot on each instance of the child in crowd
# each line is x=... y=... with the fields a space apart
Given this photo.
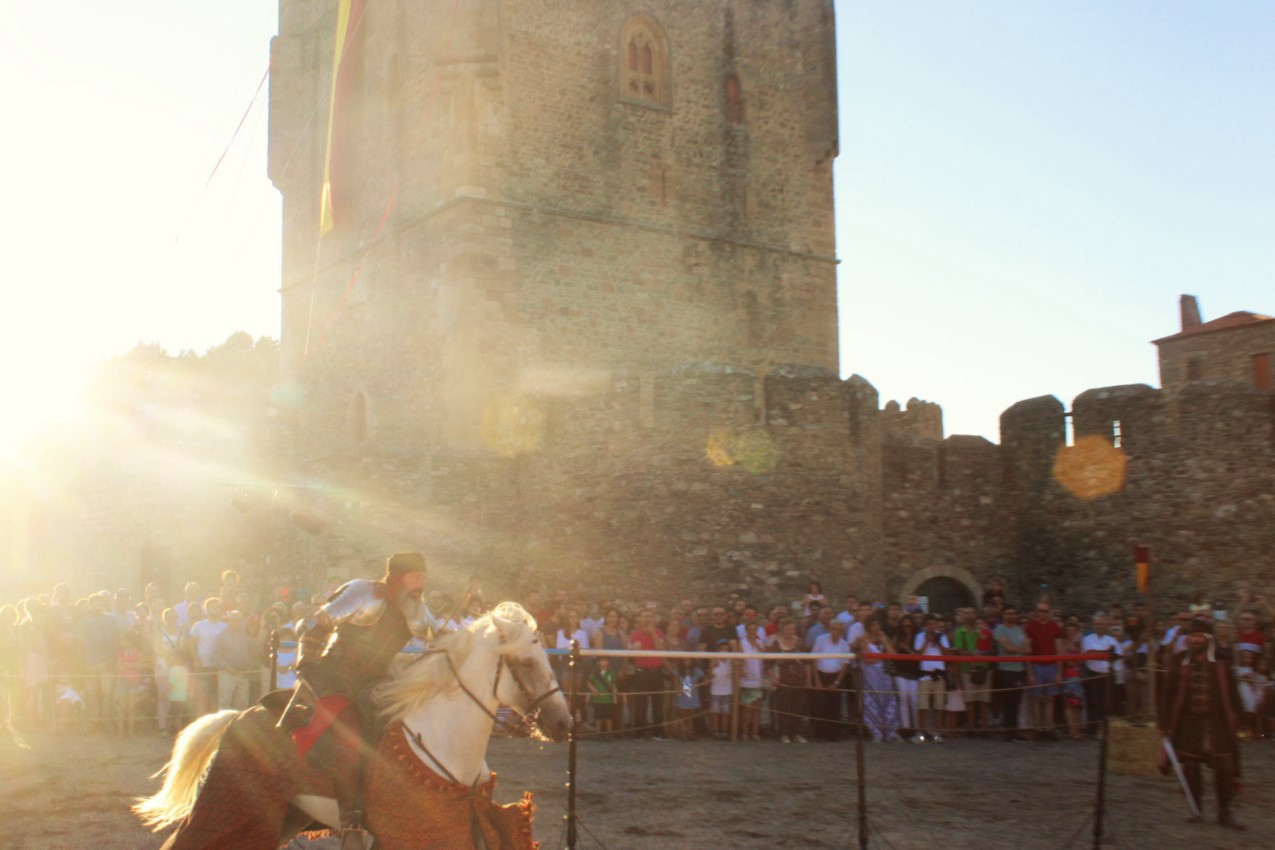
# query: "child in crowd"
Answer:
x=814 y=594
x=751 y=684
x=68 y=713
x=1073 y=690
x=602 y=690
x=286 y=660
x=1253 y=686
x=686 y=702
x=720 y=690
x=986 y=645
x=1266 y=706
x=1120 y=671
x=129 y=687
x=179 y=664
x=954 y=702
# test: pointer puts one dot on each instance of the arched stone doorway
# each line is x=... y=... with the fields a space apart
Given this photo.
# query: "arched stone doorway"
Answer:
x=947 y=589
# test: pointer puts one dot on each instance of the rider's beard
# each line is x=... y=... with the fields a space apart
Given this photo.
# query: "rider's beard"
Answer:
x=416 y=594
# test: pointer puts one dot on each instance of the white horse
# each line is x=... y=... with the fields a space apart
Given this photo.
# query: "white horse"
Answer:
x=439 y=711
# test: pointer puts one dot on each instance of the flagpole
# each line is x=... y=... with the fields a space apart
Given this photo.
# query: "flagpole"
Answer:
x=1142 y=562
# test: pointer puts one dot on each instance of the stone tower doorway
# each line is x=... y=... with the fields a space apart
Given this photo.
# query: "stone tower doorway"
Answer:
x=946 y=587
x=945 y=595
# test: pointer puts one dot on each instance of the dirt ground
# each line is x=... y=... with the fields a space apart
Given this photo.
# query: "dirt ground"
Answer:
x=74 y=792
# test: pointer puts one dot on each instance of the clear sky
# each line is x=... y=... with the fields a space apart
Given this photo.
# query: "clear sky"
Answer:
x=1023 y=191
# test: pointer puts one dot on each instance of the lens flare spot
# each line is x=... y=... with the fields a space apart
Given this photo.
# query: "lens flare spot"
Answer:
x=513 y=425
x=751 y=448
x=721 y=447
x=1091 y=468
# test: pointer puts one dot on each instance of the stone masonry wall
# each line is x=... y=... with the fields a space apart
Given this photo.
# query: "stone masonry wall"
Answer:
x=509 y=215
x=1222 y=355
x=710 y=477
x=725 y=488
x=1193 y=477
x=945 y=505
x=508 y=351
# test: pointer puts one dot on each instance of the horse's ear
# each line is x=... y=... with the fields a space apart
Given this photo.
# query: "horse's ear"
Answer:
x=500 y=629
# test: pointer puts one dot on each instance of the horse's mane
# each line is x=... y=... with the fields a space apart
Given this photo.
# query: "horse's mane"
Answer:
x=414 y=683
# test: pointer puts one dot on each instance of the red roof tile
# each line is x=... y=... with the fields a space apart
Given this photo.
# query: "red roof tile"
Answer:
x=1238 y=319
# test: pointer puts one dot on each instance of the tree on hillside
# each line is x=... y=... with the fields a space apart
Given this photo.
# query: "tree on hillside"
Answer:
x=165 y=394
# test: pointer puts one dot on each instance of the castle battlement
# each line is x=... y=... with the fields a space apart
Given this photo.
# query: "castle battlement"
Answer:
x=571 y=335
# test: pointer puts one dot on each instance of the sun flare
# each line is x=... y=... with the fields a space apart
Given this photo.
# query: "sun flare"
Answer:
x=41 y=401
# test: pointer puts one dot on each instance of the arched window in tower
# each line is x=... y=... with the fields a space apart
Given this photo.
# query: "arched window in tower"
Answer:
x=358 y=417
x=644 y=76
x=734 y=101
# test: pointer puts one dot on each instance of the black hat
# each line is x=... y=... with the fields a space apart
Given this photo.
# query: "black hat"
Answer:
x=405 y=562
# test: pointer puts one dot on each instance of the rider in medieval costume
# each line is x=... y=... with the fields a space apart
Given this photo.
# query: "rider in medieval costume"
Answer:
x=347 y=648
x=1198 y=714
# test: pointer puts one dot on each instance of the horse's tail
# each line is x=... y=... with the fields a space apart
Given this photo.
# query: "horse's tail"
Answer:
x=192 y=754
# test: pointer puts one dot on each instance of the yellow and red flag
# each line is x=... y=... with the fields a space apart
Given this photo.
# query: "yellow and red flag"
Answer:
x=349 y=16
x=1142 y=563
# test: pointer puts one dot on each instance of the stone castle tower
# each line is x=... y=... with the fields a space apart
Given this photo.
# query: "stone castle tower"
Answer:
x=575 y=326
x=531 y=196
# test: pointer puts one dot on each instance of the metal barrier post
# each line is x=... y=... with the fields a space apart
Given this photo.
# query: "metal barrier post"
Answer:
x=734 y=701
x=274 y=659
x=1100 y=801
x=572 y=666
x=860 y=765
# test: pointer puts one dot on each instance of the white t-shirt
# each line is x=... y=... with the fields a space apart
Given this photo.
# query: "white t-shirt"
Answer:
x=1093 y=642
x=205 y=634
x=722 y=683
x=826 y=644
x=564 y=639
x=750 y=675
x=1125 y=648
x=931 y=649
x=183 y=612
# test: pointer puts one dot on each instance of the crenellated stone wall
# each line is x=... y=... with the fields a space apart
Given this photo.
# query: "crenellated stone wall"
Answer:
x=693 y=481
x=716 y=478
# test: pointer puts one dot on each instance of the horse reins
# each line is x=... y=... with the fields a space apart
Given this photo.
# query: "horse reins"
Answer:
x=501 y=665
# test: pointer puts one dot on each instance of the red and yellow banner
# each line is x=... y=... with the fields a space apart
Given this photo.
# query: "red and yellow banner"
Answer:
x=1142 y=564
x=349 y=16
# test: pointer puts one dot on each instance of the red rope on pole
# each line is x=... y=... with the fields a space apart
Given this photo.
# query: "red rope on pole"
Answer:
x=987 y=659
x=239 y=126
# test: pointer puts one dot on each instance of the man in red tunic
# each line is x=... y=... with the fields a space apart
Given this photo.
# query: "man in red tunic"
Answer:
x=1198 y=714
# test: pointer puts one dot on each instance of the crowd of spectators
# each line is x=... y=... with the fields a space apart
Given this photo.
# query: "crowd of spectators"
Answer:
x=110 y=663
x=917 y=694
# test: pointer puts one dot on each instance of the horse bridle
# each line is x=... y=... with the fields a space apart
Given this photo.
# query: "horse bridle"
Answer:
x=533 y=703
x=532 y=708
